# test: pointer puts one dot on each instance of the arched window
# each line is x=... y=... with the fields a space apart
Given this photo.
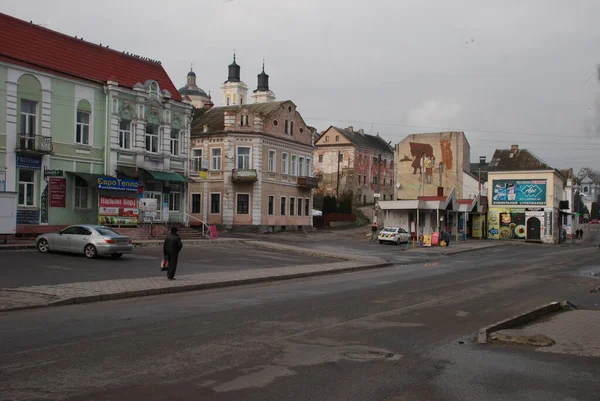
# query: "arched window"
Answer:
x=228 y=100
x=291 y=128
x=82 y=124
x=287 y=126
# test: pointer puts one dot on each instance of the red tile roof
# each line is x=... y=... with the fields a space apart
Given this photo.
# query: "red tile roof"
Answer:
x=40 y=48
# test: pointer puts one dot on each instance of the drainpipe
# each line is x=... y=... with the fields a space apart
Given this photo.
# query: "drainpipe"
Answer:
x=106 y=134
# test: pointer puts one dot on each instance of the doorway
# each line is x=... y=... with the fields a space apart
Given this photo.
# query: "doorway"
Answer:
x=534 y=228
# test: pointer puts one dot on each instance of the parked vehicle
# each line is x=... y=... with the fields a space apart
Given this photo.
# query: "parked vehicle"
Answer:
x=393 y=234
x=91 y=240
x=594 y=221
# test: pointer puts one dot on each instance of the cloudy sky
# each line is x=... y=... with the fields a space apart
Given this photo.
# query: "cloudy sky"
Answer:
x=504 y=72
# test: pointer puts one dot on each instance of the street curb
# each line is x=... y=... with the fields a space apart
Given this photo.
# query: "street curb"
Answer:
x=196 y=287
x=472 y=249
x=17 y=246
x=306 y=251
x=519 y=320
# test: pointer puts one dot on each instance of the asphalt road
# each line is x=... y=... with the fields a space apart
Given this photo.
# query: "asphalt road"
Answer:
x=392 y=334
x=29 y=267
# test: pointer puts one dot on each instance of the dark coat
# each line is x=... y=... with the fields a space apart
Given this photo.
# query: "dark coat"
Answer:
x=172 y=244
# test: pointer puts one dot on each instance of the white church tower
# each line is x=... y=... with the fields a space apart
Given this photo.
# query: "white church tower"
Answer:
x=235 y=92
x=262 y=94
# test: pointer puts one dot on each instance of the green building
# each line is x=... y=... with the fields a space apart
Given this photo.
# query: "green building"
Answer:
x=87 y=131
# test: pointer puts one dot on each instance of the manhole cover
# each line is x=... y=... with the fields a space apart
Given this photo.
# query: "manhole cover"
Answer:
x=368 y=355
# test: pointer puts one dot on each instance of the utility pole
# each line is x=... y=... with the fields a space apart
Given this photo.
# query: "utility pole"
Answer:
x=337 y=188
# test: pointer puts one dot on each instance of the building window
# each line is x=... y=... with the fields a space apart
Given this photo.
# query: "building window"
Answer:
x=284 y=163
x=375 y=160
x=197 y=159
x=287 y=126
x=215 y=203
x=244 y=121
x=299 y=206
x=271 y=205
x=243 y=204
x=152 y=138
x=383 y=196
x=300 y=166
x=175 y=142
x=585 y=189
x=359 y=179
x=384 y=182
x=320 y=158
x=376 y=180
x=82 y=131
x=243 y=158
x=341 y=157
x=196 y=203
x=309 y=168
x=292 y=206
x=307 y=207
x=216 y=159
x=385 y=164
x=282 y=206
x=242 y=102
x=174 y=201
x=364 y=179
x=293 y=166
x=337 y=138
x=327 y=138
x=275 y=123
x=81 y=193
x=391 y=182
x=228 y=101
x=26 y=188
x=291 y=128
x=125 y=134
x=28 y=117
x=271 y=161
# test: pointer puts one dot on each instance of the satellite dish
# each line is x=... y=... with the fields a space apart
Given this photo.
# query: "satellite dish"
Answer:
x=398 y=185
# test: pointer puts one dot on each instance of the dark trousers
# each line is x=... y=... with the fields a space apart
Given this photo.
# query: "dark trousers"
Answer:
x=172 y=264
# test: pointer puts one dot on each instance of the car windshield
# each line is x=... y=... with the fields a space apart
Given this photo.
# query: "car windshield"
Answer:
x=389 y=230
x=107 y=231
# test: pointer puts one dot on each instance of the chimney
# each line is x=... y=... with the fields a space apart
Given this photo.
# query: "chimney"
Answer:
x=350 y=128
x=481 y=159
x=514 y=148
x=361 y=131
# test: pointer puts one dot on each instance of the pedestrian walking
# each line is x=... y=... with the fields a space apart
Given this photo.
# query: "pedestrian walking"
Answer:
x=171 y=248
x=577 y=234
x=374 y=231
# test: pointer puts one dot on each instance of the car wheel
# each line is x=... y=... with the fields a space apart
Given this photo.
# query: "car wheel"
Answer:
x=116 y=255
x=42 y=246
x=381 y=242
x=90 y=251
x=398 y=241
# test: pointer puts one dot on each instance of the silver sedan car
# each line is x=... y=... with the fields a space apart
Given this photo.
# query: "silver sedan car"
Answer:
x=91 y=240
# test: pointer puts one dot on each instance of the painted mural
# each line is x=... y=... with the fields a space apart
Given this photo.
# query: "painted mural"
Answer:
x=506 y=224
x=428 y=161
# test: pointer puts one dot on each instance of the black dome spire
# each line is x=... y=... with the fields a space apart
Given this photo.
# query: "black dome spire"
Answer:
x=234 y=71
x=263 y=80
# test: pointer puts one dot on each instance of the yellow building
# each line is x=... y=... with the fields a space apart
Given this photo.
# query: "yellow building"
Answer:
x=524 y=195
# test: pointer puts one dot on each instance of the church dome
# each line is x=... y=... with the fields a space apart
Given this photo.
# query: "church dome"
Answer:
x=192 y=91
x=191 y=74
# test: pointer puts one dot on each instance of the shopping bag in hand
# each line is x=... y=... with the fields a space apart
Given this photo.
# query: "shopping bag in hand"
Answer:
x=164 y=264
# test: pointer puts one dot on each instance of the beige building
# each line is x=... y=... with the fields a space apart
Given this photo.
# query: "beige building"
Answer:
x=349 y=162
x=253 y=167
x=433 y=164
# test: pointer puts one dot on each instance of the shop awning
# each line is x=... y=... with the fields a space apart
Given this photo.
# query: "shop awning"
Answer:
x=90 y=178
x=166 y=176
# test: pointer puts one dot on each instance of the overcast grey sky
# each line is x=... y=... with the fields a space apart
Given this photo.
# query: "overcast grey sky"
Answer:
x=503 y=72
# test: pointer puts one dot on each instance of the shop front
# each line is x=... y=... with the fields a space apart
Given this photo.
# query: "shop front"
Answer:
x=117 y=201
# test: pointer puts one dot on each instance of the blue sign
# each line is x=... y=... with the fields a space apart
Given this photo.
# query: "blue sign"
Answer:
x=494 y=231
x=117 y=184
x=519 y=192
x=28 y=216
x=29 y=162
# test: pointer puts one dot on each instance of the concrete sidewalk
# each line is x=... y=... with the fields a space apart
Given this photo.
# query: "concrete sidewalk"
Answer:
x=63 y=294
x=456 y=247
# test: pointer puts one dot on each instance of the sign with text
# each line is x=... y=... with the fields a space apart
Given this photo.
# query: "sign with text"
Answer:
x=58 y=192
x=53 y=173
x=28 y=162
x=117 y=184
x=114 y=210
x=28 y=216
x=519 y=192
x=548 y=223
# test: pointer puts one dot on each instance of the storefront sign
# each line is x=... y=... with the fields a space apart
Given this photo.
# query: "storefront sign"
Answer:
x=28 y=162
x=28 y=216
x=58 y=192
x=519 y=192
x=117 y=184
x=427 y=240
x=148 y=205
x=53 y=173
x=435 y=238
x=548 y=223
x=506 y=224
x=117 y=210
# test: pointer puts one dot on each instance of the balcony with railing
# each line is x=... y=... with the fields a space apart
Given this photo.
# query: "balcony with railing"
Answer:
x=37 y=144
x=308 y=182
x=244 y=175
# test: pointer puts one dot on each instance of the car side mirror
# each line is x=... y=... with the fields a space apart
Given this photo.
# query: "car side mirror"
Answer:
x=60 y=233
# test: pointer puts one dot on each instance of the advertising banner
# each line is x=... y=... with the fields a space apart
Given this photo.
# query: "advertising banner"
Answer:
x=477 y=225
x=58 y=192
x=548 y=223
x=506 y=224
x=427 y=240
x=519 y=192
x=114 y=210
x=435 y=238
x=117 y=184
x=148 y=209
x=28 y=162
